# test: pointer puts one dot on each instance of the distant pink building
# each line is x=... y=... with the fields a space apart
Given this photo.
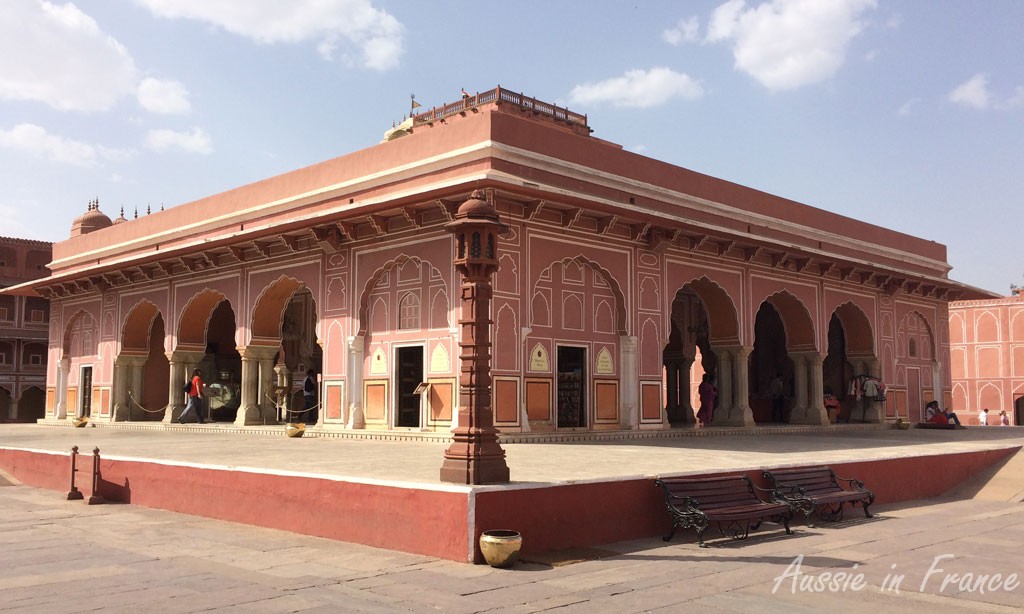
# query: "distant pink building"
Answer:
x=24 y=321
x=986 y=348
x=622 y=279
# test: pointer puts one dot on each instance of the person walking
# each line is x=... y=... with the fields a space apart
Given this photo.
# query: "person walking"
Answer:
x=1004 y=420
x=707 y=394
x=983 y=417
x=195 y=399
x=309 y=389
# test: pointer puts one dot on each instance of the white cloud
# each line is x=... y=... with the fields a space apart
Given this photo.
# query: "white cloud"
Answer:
x=686 y=31
x=786 y=44
x=195 y=140
x=163 y=97
x=907 y=108
x=639 y=89
x=373 y=34
x=36 y=141
x=57 y=55
x=973 y=92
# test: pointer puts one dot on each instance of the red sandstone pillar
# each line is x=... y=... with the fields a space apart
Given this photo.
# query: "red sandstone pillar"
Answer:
x=474 y=456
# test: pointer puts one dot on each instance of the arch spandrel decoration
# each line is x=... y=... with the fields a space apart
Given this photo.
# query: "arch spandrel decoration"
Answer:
x=195 y=318
x=582 y=261
x=399 y=261
x=81 y=325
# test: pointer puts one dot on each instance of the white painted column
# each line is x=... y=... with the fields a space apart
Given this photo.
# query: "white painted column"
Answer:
x=61 y=409
x=248 y=406
x=629 y=390
x=356 y=418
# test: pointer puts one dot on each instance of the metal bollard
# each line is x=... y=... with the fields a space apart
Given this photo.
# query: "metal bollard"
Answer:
x=74 y=494
x=95 y=498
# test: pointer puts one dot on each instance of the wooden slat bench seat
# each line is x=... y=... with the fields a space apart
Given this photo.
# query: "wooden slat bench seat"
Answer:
x=811 y=490
x=729 y=501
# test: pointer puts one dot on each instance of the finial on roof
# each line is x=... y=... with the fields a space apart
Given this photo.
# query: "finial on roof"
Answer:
x=148 y=210
x=136 y=212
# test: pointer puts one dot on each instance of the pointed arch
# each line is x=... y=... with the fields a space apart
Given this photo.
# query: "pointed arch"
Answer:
x=723 y=317
x=796 y=320
x=860 y=339
x=195 y=318
x=138 y=324
x=268 y=312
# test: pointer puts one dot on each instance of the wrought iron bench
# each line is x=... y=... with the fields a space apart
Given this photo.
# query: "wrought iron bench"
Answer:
x=812 y=490
x=731 y=502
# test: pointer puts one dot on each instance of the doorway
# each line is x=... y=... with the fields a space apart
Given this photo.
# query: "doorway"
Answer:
x=85 y=389
x=409 y=375
x=914 y=402
x=572 y=386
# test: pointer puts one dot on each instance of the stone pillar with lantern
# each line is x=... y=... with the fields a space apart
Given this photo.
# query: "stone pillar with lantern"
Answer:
x=474 y=456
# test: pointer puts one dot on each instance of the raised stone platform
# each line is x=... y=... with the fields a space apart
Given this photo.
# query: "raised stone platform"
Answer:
x=387 y=493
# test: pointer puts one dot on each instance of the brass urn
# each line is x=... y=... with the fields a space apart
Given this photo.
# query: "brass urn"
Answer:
x=500 y=547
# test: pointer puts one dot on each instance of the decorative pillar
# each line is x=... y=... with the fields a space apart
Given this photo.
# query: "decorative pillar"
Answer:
x=266 y=404
x=177 y=374
x=630 y=384
x=809 y=382
x=724 y=385
x=741 y=370
x=12 y=409
x=672 y=389
x=248 y=404
x=135 y=388
x=356 y=418
x=122 y=404
x=797 y=413
x=474 y=456
x=61 y=409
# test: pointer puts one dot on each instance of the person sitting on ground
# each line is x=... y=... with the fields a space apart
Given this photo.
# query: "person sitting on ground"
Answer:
x=935 y=415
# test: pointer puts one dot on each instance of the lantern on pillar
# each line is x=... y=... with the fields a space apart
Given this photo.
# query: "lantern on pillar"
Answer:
x=474 y=456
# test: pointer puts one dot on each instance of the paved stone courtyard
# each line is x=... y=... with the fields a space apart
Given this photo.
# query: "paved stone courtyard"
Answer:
x=61 y=556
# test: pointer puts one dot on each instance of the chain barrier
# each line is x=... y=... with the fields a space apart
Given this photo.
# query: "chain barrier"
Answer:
x=139 y=405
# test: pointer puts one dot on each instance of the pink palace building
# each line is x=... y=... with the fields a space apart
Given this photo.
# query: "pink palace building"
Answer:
x=23 y=331
x=621 y=280
x=986 y=339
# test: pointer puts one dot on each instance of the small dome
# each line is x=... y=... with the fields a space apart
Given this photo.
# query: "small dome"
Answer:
x=120 y=220
x=92 y=219
x=477 y=207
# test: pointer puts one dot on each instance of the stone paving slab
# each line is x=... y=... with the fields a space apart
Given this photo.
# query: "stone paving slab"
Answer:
x=162 y=561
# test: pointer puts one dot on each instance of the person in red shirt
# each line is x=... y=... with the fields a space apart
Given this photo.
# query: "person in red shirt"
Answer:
x=195 y=399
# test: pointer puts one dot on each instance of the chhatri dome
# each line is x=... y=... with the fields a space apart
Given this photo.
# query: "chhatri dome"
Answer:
x=92 y=219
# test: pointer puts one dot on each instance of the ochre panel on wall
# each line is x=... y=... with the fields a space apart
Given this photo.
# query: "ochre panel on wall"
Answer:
x=375 y=398
x=72 y=402
x=441 y=400
x=538 y=399
x=333 y=398
x=650 y=401
x=51 y=400
x=506 y=401
x=606 y=395
x=104 y=400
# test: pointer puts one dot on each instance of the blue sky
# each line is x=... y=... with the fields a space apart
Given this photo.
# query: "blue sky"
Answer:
x=905 y=114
